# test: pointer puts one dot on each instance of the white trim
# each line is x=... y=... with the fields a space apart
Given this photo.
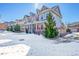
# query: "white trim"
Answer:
x=35 y=22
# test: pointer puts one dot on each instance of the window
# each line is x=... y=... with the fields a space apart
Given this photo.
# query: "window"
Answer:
x=41 y=17
x=46 y=15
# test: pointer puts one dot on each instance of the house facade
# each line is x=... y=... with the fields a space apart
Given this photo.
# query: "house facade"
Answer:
x=31 y=22
x=9 y=24
x=21 y=22
x=35 y=22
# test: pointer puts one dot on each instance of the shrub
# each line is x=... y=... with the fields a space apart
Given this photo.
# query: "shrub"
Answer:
x=17 y=28
x=11 y=28
x=68 y=30
x=8 y=29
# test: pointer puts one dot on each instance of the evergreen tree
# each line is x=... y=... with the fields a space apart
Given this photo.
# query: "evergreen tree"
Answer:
x=8 y=29
x=17 y=28
x=50 y=27
x=11 y=28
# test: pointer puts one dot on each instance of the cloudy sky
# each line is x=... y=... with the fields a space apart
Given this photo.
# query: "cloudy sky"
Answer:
x=10 y=11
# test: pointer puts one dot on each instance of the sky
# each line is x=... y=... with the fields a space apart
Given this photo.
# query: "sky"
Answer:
x=12 y=11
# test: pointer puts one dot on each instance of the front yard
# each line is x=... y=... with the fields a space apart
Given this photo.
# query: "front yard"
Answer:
x=36 y=45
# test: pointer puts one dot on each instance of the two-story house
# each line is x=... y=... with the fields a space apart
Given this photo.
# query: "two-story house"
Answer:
x=35 y=22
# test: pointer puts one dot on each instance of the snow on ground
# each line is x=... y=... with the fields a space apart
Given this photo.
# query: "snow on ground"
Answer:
x=39 y=45
x=74 y=34
x=5 y=40
x=20 y=50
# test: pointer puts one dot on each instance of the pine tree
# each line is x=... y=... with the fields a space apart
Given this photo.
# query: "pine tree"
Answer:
x=8 y=29
x=50 y=27
x=11 y=28
x=17 y=28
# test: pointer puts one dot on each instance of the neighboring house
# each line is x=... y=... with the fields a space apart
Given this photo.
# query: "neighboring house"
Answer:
x=2 y=27
x=26 y=22
x=21 y=22
x=74 y=27
x=9 y=24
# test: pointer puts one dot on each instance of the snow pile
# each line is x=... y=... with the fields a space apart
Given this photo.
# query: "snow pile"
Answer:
x=15 y=50
x=74 y=34
x=4 y=40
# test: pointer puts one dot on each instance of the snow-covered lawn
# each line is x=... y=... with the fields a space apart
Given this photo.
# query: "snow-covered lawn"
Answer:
x=20 y=50
x=33 y=45
x=5 y=40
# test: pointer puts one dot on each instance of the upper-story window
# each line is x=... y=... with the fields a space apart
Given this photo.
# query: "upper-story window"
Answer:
x=41 y=17
x=46 y=16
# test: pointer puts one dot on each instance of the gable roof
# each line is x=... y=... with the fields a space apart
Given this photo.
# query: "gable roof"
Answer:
x=56 y=10
x=44 y=7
